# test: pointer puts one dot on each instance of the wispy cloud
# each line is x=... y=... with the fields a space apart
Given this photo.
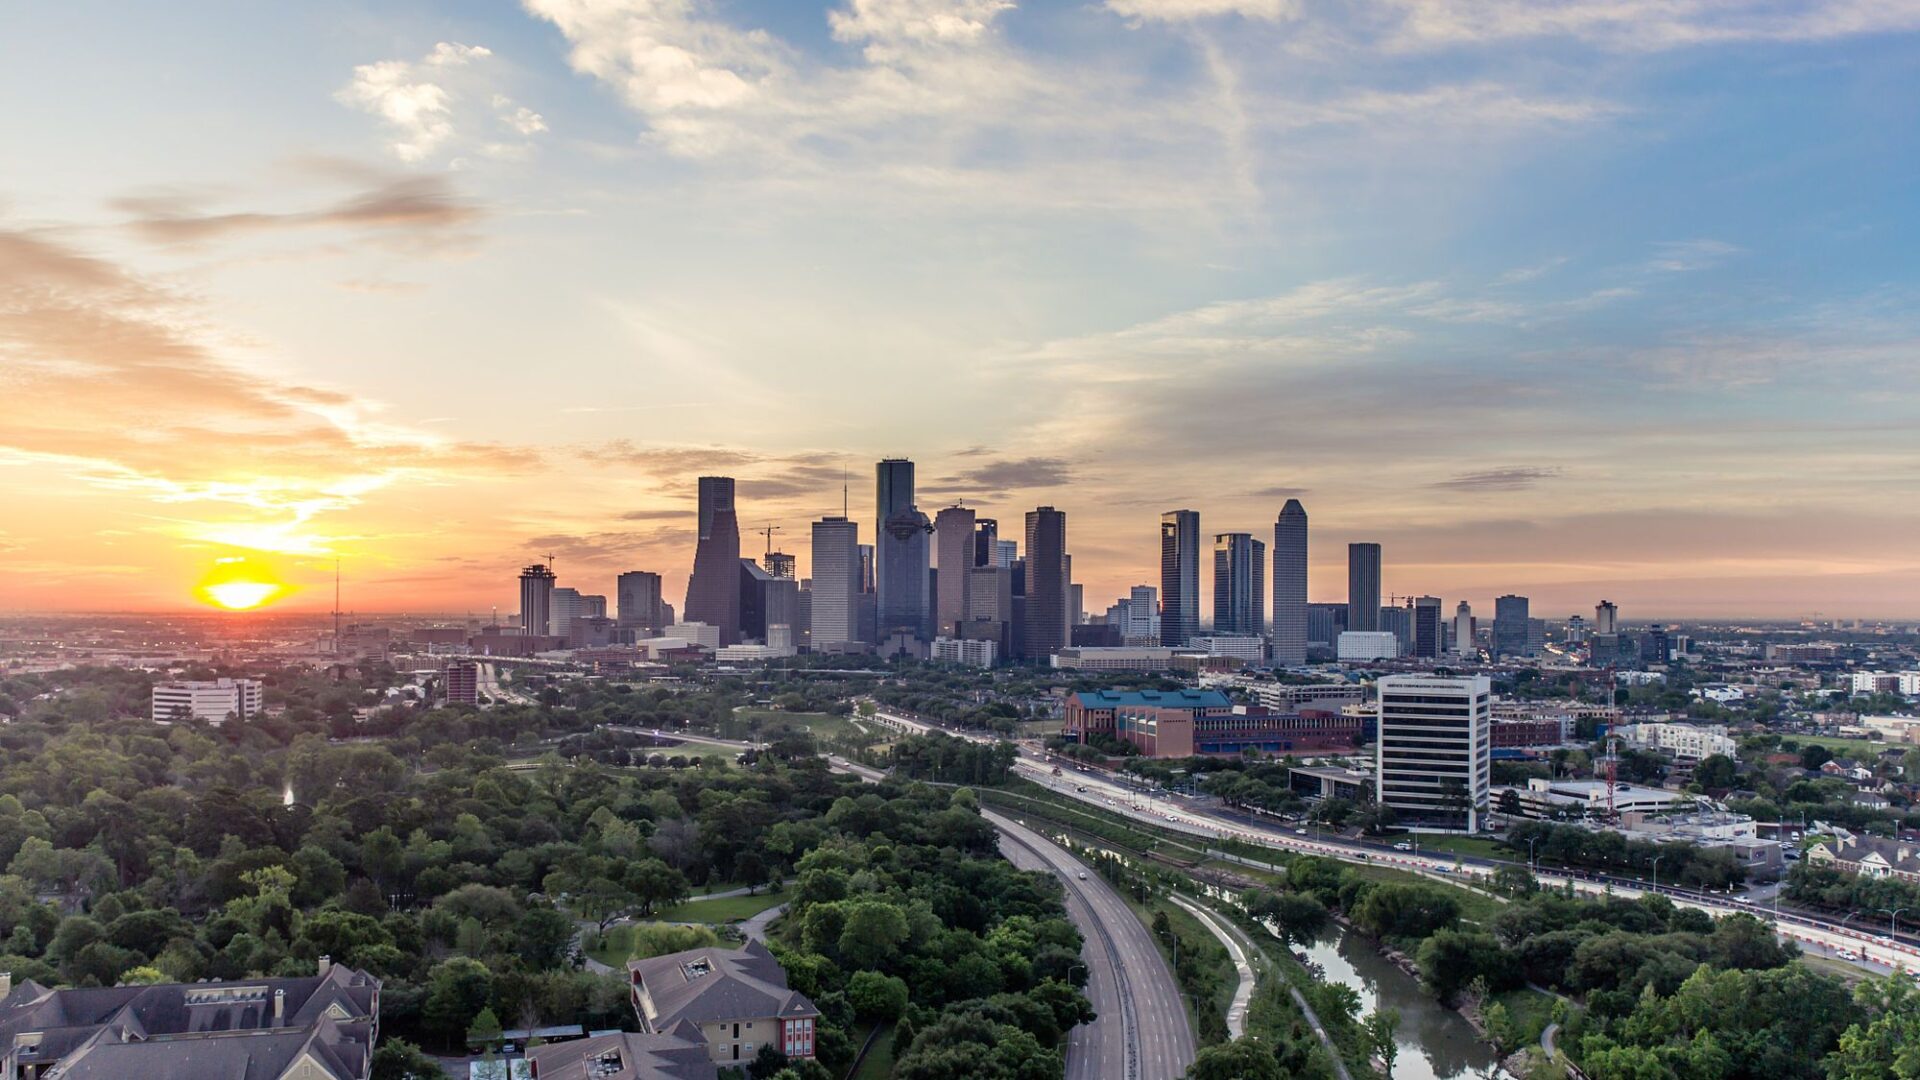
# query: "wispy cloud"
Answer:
x=420 y=206
x=427 y=104
x=1684 y=256
x=1513 y=478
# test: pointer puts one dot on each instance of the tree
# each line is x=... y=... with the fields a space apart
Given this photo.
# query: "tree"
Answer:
x=485 y=1029
x=398 y=1059
x=1716 y=772
x=1242 y=1059
x=875 y=997
x=457 y=989
x=873 y=933
x=544 y=936
x=1380 y=1028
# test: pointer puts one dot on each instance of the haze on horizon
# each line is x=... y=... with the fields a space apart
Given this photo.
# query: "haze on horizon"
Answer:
x=1583 y=299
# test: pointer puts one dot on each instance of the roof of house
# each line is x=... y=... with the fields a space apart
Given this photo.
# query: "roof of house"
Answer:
x=626 y=1055
x=184 y=1031
x=1899 y=855
x=709 y=984
x=1161 y=699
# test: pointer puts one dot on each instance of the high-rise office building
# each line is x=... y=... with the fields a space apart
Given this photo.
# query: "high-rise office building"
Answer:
x=1606 y=618
x=1290 y=585
x=1428 y=636
x=1325 y=624
x=1510 y=626
x=1463 y=631
x=1239 y=585
x=1398 y=621
x=1363 y=587
x=563 y=606
x=713 y=593
x=1007 y=552
x=780 y=564
x=1136 y=616
x=954 y=555
x=536 y=600
x=902 y=553
x=637 y=593
x=836 y=582
x=1046 y=584
x=985 y=542
x=766 y=601
x=1432 y=754
x=868 y=578
x=1179 y=576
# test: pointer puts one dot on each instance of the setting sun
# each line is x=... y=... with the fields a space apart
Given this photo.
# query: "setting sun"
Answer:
x=239 y=584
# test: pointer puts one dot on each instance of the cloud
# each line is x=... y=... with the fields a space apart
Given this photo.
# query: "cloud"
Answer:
x=1280 y=493
x=1515 y=478
x=1183 y=10
x=108 y=380
x=420 y=103
x=419 y=206
x=655 y=515
x=1012 y=474
x=1683 y=256
x=1640 y=25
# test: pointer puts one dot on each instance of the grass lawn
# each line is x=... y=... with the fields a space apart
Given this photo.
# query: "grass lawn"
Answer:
x=1476 y=846
x=824 y=726
x=878 y=1064
x=1848 y=747
x=615 y=947
x=1530 y=1011
x=725 y=909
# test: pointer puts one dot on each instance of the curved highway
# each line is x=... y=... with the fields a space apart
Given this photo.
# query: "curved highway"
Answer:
x=1141 y=1032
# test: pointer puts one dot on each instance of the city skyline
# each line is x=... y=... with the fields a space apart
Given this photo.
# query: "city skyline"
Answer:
x=1592 y=306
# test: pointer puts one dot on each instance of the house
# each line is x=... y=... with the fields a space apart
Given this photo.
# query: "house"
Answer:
x=626 y=1055
x=735 y=1000
x=1872 y=856
x=320 y=1027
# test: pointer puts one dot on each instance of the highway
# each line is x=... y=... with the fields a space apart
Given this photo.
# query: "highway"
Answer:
x=1142 y=1031
x=1871 y=952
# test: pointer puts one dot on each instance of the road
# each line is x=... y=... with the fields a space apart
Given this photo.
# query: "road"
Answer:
x=1871 y=952
x=1142 y=1031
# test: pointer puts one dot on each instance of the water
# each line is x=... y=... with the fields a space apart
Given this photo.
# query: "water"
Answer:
x=1435 y=1042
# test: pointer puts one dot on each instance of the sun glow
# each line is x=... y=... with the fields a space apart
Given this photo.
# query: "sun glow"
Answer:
x=238 y=584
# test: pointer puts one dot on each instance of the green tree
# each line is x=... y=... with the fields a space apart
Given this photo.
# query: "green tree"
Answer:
x=485 y=1029
x=1242 y=1059
x=875 y=997
x=457 y=989
x=1380 y=1028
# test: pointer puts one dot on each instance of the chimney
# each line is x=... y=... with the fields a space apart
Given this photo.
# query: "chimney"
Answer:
x=279 y=1008
x=6 y=983
x=326 y=965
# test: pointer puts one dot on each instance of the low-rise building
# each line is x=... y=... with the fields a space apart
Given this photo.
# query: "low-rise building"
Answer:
x=734 y=1000
x=214 y=701
x=1694 y=741
x=1543 y=798
x=1543 y=731
x=1761 y=857
x=1365 y=645
x=1331 y=782
x=1292 y=697
x=1097 y=711
x=320 y=1027
x=625 y=1055
x=1246 y=648
x=1121 y=658
x=1871 y=856
x=1179 y=732
x=973 y=652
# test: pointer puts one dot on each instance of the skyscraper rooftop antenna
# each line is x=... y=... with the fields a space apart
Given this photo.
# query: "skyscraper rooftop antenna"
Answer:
x=336 y=603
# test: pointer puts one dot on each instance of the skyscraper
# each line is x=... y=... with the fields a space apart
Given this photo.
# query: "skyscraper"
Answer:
x=1606 y=618
x=1363 y=587
x=986 y=542
x=1239 y=585
x=954 y=553
x=1428 y=638
x=836 y=582
x=1463 y=631
x=1290 y=585
x=536 y=600
x=779 y=564
x=1046 y=593
x=713 y=593
x=1510 y=626
x=902 y=554
x=637 y=592
x=563 y=606
x=1179 y=576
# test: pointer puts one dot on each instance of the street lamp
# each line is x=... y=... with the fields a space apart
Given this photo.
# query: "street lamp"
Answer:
x=1893 y=920
x=1656 y=871
x=1532 y=859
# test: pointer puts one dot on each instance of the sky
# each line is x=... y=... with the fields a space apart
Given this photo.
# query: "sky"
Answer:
x=1570 y=298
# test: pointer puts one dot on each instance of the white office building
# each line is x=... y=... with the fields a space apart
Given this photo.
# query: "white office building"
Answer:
x=213 y=702
x=1432 y=758
x=1363 y=645
x=705 y=635
x=968 y=651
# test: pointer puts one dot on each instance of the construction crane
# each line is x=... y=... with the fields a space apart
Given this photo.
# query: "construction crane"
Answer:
x=769 y=530
x=550 y=557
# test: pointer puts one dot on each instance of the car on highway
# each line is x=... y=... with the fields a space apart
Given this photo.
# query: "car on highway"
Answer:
x=1300 y=832
x=1403 y=846
x=1083 y=875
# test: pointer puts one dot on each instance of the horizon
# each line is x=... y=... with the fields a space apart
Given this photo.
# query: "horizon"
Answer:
x=1601 y=305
